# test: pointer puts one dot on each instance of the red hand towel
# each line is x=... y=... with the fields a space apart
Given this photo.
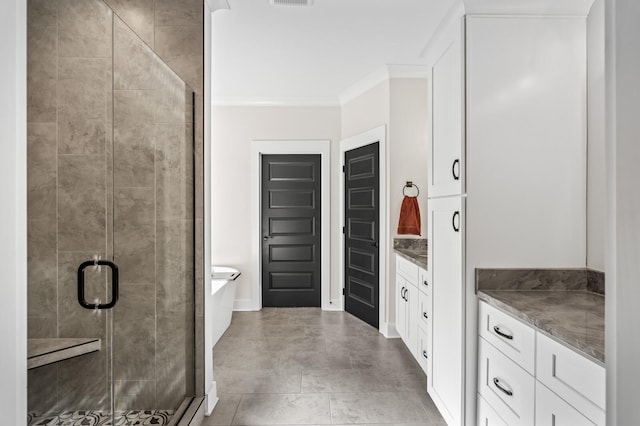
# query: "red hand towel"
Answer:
x=409 y=222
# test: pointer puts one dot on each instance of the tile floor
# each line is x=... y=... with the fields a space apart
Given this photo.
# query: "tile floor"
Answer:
x=303 y=366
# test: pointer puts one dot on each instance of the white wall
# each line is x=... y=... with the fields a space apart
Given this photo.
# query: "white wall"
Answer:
x=408 y=147
x=596 y=196
x=233 y=130
x=622 y=344
x=13 y=213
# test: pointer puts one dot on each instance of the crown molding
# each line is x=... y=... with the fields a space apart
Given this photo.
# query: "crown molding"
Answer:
x=382 y=74
x=215 y=5
x=275 y=102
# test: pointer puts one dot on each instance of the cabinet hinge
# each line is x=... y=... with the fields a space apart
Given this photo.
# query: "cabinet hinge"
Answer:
x=344 y=169
x=343 y=231
x=343 y=291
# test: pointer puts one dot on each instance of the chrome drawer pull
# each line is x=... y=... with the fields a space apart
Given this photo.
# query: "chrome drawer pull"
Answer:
x=507 y=392
x=500 y=333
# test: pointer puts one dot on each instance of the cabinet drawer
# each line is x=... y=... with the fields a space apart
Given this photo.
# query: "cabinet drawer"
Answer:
x=487 y=416
x=514 y=338
x=551 y=410
x=407 y=269
x=424 y=350
x=424 y=311
x=575 y=378
x=424 y=281
x=508 y=388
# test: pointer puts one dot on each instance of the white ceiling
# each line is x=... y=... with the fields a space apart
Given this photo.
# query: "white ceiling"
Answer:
x=310 y=55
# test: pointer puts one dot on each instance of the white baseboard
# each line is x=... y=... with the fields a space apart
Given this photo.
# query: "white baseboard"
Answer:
x=211 y=398
x=389 y=331
x=243 y=305
x=334 y=305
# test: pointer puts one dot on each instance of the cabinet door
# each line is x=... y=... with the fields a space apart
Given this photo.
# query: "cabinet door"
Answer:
x=487 y=416
x=551 y=410
x=412 y=304
x=447 y=119
x=446 y=223
x=401 y=307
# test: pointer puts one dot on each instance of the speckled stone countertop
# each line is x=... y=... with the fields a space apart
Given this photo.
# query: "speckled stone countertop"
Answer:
x=414 y=250
x=572 y=317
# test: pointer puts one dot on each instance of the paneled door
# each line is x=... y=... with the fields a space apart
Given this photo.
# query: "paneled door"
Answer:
x=291 y=218
x=362 y=232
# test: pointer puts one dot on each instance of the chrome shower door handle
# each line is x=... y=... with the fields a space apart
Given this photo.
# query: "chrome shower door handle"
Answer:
x=114 y=284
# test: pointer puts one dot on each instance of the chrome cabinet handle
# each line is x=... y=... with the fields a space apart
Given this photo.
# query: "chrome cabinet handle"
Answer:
x=425 y=283
x=507 y=392
x=424 y=354
x=424 y=314
x=500 y=333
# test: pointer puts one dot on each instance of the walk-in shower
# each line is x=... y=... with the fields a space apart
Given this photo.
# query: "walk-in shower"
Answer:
x=110 y=222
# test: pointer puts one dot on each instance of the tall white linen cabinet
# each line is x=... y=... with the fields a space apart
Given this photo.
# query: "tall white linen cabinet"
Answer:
x=507 y=166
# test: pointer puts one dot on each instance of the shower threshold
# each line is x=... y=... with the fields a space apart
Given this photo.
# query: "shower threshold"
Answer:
x=97 y=418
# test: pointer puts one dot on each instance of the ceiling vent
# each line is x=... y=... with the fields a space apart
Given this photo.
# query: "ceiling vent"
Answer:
x=291 y=2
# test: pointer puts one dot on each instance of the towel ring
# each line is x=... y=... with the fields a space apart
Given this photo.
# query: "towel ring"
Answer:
x=410 y=184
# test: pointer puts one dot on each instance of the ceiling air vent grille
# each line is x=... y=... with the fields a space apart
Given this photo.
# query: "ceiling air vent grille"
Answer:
x=291 y=2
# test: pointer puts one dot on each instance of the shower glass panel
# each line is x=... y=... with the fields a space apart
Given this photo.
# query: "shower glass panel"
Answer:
x=110 y=187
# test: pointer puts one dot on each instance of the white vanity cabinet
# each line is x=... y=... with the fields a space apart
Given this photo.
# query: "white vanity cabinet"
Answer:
x=527 y=378
x=407 y=302
x=413 y=310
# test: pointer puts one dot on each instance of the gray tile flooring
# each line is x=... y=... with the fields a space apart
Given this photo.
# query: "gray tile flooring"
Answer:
x=304 y=366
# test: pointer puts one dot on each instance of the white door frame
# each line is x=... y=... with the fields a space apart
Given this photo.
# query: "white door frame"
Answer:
x=262 y=147
x=378 y=134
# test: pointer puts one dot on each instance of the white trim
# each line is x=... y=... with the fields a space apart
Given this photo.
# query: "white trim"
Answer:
x=211 y=396
x=13 y=212
x=408 y=71
x=434 y=45
x=378 y=134
x=243 y=305
x=336 y=305
x=322 y=147
x=363 y=85
x=275 y=102
x=382 y=74
x=391 y=332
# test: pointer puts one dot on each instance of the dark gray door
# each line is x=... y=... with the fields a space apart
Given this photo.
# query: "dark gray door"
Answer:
x=291 y=230
x=362 y=234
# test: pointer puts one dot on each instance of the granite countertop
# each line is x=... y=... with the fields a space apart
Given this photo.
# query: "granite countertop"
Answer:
x=412 y=249
x=575 y=318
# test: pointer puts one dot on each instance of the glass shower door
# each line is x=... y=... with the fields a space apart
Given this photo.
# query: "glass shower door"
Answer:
x=153 y=232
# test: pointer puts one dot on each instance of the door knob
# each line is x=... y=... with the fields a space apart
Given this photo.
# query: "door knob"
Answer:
x=266 y=237
x=374 y=244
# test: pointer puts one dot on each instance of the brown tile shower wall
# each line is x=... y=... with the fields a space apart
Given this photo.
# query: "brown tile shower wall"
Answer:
x=71 y=150
x=69 y=93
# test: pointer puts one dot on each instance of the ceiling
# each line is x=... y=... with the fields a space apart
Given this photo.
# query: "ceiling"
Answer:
x=273 y=54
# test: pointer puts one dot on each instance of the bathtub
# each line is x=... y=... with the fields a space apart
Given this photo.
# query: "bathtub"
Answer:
x=223 y=294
